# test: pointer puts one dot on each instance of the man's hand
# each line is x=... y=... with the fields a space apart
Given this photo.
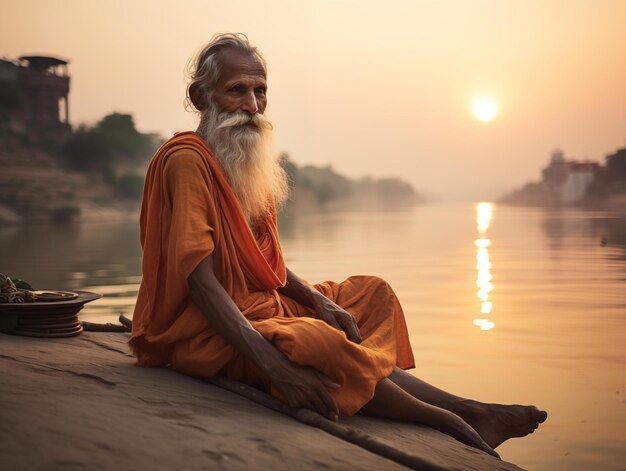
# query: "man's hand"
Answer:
x=301 y=386
x=326 y=310
x=304 y=386
x=337 y=317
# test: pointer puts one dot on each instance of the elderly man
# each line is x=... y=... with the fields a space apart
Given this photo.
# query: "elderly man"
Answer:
x=217 y=298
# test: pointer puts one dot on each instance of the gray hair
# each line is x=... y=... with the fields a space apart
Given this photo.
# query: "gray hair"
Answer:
x=205 y=69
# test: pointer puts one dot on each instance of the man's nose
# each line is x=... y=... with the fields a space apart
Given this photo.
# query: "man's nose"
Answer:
x=249 y=103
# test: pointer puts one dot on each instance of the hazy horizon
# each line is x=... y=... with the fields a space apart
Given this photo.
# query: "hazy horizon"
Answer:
x=371 y=88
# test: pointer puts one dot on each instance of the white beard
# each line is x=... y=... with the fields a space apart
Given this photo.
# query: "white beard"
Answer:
x=242 y=143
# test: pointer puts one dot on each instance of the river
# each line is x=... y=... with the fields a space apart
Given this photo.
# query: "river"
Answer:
x=513 y=305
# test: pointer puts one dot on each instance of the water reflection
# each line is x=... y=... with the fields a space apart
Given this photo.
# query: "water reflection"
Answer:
x=103 y=257
x=608 y=228
x=483 y=266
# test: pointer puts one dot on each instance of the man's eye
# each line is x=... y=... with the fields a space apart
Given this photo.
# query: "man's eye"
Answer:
x=260 y=91
x=236 y=89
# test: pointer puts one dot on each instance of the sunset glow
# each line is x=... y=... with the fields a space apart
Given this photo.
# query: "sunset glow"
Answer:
x=485 y=108
x=341 y=102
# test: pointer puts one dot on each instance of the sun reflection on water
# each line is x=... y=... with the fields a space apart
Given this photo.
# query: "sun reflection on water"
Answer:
x=483 y=266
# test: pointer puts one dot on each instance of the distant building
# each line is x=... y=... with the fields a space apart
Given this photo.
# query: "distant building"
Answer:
x=34 y=95
x=8 y=71
x=568 y=180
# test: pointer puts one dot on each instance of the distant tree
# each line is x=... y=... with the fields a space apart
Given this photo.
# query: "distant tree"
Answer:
x=112 y=144
x=124 y=142
x=394 y=191
x=325 y=183
x=87 y=150
x=130 y=186
x=328 y=187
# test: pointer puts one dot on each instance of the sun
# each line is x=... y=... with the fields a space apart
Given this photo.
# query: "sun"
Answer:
x=485 y=108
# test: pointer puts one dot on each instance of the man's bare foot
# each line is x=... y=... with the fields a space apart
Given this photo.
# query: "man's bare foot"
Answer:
x=496 y=423
x=457 y=428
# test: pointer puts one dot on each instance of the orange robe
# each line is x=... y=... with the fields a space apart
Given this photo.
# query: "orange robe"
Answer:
x=188 y=212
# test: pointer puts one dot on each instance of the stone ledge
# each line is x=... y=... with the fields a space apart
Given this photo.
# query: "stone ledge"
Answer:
x=80 y=402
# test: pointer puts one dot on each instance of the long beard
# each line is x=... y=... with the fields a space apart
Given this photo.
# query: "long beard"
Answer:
x=242 y=144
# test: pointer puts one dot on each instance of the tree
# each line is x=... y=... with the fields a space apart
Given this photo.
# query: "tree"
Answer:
x=110 y=146
x=125 y=143
x=87 y=150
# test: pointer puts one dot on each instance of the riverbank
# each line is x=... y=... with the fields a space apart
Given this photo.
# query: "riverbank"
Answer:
x=36 y=187
x=80 y=402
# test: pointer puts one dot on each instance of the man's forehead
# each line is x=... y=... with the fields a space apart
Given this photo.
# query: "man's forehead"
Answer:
x=234 y=63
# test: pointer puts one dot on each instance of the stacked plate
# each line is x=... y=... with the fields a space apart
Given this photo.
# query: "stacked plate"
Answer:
x=54 y=314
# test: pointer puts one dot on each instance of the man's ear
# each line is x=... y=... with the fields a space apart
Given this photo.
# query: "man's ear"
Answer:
x=197 y=96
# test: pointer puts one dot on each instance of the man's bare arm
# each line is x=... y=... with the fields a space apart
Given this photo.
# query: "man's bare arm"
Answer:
x=301 y=386
x=300 y=291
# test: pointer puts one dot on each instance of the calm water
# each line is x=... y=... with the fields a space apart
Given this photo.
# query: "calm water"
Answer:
x=503 y=304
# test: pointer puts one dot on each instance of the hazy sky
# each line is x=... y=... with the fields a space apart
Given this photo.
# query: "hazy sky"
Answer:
x=371 y=87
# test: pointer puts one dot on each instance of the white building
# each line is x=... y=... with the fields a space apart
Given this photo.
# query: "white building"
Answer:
x=569 y=179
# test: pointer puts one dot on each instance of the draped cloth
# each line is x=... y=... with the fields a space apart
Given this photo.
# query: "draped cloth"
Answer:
x=188 y=212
